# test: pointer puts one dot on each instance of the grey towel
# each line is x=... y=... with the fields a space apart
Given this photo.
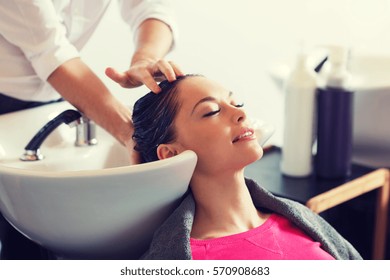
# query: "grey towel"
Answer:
x=172 y=240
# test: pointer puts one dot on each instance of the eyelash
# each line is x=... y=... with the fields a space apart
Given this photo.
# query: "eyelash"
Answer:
x=212 y=113
x=209 y=114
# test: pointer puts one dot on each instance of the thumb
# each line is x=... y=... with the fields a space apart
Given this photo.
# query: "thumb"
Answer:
x=115 y=75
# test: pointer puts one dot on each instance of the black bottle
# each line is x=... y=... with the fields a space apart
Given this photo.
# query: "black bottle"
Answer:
x=334 y=121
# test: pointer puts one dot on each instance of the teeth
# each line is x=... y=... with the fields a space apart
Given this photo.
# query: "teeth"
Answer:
x=246 y=134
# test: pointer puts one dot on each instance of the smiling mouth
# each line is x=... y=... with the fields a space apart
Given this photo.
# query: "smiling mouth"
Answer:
x=247 y=135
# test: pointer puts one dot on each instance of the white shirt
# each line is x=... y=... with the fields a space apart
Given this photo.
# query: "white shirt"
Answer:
x=37 y=36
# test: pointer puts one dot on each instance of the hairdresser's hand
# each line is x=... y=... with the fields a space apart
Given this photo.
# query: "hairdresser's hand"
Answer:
x=146 y=72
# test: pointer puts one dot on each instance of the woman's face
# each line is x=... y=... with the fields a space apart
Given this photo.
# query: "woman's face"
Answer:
x=213 y=124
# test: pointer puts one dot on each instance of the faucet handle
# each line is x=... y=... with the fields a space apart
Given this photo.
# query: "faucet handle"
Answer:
x=85 y=132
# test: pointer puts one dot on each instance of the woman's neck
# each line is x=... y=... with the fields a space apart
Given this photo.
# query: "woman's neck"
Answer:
x=223 y=206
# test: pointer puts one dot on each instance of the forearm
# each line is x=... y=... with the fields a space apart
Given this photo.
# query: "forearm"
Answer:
x=82 y=88
x=153 y=41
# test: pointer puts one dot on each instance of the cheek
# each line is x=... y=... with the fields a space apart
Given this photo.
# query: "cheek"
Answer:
x=195 y=141
x=205 y=140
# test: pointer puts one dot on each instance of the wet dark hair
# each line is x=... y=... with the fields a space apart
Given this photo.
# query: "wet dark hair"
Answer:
x=153 y=116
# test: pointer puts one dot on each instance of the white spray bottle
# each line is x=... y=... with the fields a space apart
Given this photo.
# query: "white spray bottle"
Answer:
x=299 y=120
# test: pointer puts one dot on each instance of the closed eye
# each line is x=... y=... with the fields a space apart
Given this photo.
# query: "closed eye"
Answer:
x=212 y=113
x=209 y=114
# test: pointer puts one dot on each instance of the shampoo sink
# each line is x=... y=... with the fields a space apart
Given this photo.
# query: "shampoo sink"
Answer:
x=85 y=202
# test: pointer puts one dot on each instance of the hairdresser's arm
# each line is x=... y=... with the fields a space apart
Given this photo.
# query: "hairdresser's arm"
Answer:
x=153 y=41
x=81 y=87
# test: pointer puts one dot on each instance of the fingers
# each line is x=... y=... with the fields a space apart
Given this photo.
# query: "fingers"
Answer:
x=116 y=76
x=152 y=74
x=147 y=73
x=161 y=70
x=177 y=69
x=167 y=69
x=149 y=81
x=113 y=74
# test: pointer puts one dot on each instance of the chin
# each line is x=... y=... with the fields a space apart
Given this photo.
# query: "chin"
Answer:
x=256 y=156
x=251 y=157
x=260 y=153
x=256 y=153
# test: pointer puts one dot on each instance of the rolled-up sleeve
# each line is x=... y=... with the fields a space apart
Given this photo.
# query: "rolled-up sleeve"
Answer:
x=35 y=27
x=136 y=11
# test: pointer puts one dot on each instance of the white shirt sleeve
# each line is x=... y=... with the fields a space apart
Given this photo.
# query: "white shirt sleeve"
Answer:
x=134 y=12
x=35 y=27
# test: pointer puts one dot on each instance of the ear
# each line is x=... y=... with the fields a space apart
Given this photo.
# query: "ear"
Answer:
x=166 y=151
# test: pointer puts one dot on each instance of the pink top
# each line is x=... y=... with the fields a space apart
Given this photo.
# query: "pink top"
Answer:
x=276 y=239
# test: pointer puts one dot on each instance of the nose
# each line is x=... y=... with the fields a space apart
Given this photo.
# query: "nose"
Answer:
x=238 y=114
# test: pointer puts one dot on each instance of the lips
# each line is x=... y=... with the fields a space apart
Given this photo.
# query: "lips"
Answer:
x=245 y=134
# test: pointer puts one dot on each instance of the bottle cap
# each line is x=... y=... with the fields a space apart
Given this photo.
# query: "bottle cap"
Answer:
x=337 y=75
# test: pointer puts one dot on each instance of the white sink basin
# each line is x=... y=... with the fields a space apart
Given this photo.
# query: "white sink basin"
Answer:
x=87 y=202
x=84 y=202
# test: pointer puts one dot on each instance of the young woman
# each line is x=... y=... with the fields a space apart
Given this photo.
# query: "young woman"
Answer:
x=225 y=216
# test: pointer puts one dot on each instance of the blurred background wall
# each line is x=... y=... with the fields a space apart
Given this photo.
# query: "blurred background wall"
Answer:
x=237 y=43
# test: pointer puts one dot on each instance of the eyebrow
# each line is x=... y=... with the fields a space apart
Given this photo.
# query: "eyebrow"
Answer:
x=207 y=99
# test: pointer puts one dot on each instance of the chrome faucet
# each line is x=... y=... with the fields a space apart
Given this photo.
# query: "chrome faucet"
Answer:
x=85 y=130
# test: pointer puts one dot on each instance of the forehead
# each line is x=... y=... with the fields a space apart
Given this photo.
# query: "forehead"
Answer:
x=195 y=88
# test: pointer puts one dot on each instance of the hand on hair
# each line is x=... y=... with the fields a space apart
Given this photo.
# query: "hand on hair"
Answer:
x=146 y=72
